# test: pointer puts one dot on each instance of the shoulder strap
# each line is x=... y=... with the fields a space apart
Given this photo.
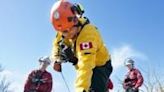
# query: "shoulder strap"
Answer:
x=82 y=26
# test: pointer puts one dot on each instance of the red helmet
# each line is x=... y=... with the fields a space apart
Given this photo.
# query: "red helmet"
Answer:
x=62 y=15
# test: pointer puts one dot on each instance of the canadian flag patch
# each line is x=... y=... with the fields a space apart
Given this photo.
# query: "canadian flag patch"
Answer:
x=86 y=45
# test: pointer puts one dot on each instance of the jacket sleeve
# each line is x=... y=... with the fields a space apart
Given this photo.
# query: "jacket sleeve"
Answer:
x=54 y=53
x=28 y=82
x=86 y=62
x=84 y=73
x=139 y=79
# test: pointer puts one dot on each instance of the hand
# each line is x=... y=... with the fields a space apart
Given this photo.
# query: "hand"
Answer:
x=57 y=67
x=125 y=86
x=127 y=80
x=73 y=60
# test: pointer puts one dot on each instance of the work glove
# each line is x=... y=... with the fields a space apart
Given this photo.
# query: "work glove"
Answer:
x=67 y=54
x=57 y=67
x=127 y=80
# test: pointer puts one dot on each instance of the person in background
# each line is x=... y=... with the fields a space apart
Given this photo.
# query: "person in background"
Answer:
x=133 y=79
x=39 y=80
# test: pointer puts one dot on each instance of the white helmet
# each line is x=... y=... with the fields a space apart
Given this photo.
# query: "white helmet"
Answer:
x=129 y=61
x=45 y=59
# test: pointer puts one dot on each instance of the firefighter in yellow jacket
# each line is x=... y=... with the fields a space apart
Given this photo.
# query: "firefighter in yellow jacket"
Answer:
x=80 y=43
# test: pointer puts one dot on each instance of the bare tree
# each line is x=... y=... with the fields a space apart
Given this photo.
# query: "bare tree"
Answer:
x=153 y=82
x=4 y=84
x=1 y=69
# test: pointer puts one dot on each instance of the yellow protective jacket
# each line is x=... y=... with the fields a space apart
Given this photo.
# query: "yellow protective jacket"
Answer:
x=90 y=51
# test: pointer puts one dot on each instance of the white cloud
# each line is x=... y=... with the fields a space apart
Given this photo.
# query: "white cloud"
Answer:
x=6 y=73
x=120 y=54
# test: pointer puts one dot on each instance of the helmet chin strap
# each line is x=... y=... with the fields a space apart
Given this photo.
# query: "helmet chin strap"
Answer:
x=132 y=66
x=77 y=32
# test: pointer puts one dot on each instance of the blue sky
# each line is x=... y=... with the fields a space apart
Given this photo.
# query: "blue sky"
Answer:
x=130 y=28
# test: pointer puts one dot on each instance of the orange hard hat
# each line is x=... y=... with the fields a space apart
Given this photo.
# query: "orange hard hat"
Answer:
x=63 y=16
